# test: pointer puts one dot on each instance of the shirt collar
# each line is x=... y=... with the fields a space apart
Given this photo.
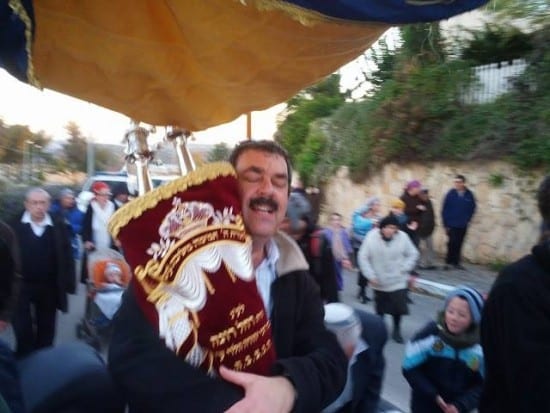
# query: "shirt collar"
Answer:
x=271 y=253
x=26 y=219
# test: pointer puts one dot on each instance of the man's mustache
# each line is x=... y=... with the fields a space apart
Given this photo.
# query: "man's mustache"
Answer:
x=269 y=202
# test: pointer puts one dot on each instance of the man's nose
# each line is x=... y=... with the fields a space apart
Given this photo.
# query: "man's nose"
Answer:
x=266 y=186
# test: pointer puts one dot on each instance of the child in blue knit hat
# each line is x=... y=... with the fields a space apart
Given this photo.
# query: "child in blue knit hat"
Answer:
x=443 y=362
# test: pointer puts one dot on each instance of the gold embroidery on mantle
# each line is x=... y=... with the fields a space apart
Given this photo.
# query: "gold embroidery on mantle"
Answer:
x=138 y=206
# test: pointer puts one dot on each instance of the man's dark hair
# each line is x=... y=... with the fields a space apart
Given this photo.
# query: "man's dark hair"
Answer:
x=543 y=200
x=264 y=146
x=461 y=177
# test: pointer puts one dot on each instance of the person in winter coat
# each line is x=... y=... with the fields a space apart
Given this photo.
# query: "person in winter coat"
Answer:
x=95 y=236
x=459 y=207
x=386 y=258
x=444 y=362
x=48 y=273
x=340 y=245
x=414 y=207
x=515 y=329
x=66 y=207
x=425 y=230
x=363 y=220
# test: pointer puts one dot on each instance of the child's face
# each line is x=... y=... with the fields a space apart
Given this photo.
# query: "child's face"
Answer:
x=457 y=315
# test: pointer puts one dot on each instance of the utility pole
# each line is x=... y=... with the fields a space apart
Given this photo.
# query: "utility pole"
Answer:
x=90 y=157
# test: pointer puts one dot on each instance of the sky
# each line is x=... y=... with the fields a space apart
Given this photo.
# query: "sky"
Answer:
x=50 y=111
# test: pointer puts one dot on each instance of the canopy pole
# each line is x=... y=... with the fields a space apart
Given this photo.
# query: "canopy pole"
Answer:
x=249 y=126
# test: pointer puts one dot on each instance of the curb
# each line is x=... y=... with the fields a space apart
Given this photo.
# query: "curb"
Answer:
x=435 y=289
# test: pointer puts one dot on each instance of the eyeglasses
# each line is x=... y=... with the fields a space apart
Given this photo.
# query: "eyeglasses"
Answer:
x=103 y=194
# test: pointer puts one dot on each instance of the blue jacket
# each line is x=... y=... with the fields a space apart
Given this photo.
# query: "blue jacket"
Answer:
x=433 y=367
x=74 y=218
x=360 y=225
x=458 y=210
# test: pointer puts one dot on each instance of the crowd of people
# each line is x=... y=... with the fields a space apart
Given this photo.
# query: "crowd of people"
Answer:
x=328 y=356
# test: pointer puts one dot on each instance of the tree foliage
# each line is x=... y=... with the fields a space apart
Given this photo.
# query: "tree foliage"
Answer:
x=497 y=44
x=220 y=152
x=18 y=141
x=418 y=112
x=75 y=148
x=315 y=102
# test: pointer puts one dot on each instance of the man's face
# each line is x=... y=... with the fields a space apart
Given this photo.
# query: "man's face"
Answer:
x=37 y=204
x=263 y=184
x=459 y=184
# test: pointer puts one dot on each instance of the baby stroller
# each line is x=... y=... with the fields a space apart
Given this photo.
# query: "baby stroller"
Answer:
x=109 y=275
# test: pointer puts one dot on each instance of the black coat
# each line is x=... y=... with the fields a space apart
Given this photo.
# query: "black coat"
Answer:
x=515 y=335
x=65 y=281
x=154 y=378
x=10 y=271
x=427 y=220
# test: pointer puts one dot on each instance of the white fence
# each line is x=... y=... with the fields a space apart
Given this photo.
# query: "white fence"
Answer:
x=493 y=80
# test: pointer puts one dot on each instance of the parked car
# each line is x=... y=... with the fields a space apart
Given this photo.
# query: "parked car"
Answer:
x=114 y=179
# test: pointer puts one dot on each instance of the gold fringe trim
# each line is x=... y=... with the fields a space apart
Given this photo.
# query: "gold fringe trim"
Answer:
x=138 y=206
x=17 y=7
x=306 y=17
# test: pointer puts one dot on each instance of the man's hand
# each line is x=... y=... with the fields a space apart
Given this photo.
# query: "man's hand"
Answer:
x=261 y=394
x=374 y=282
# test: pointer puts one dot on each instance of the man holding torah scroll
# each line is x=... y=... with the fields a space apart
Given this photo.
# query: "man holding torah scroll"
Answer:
x=192 y=334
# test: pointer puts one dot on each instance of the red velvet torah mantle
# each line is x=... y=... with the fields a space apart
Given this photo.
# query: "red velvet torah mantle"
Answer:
x=193 y=274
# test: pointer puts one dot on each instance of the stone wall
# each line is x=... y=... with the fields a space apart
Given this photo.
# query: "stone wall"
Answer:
x=506 y=223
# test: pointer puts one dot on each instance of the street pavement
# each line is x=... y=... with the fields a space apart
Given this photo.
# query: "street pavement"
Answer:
x=431 y=286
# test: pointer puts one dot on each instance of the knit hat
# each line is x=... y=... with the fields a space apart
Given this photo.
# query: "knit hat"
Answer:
x=397 y=203
x=472 y=296
x=389 y=220
x=193 y=276
x=343 y=322
x=413 y=184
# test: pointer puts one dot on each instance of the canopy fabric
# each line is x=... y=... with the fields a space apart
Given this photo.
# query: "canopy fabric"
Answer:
x=192 y=63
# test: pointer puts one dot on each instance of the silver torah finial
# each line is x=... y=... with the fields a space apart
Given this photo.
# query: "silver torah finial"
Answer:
x=179 y=137
x=138 y=152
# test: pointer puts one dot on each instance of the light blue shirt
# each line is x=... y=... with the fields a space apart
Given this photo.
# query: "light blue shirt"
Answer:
x=266 y=274
x=347 y=394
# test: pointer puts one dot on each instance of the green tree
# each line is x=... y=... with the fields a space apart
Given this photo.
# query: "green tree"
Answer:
x=497 y=43
x=423 y=43
x=220 y=152
x=315 y=102
x=75 y=148
x=535 y=12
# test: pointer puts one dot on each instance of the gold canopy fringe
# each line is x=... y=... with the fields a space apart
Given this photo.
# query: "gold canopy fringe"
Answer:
x=138 y=206
x=304 y=16
x=19 y=10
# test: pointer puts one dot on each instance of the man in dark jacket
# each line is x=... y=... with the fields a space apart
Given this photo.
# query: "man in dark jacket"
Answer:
x=459 y=207
x=310 y=369
x=48 y=272
x=515 y=329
